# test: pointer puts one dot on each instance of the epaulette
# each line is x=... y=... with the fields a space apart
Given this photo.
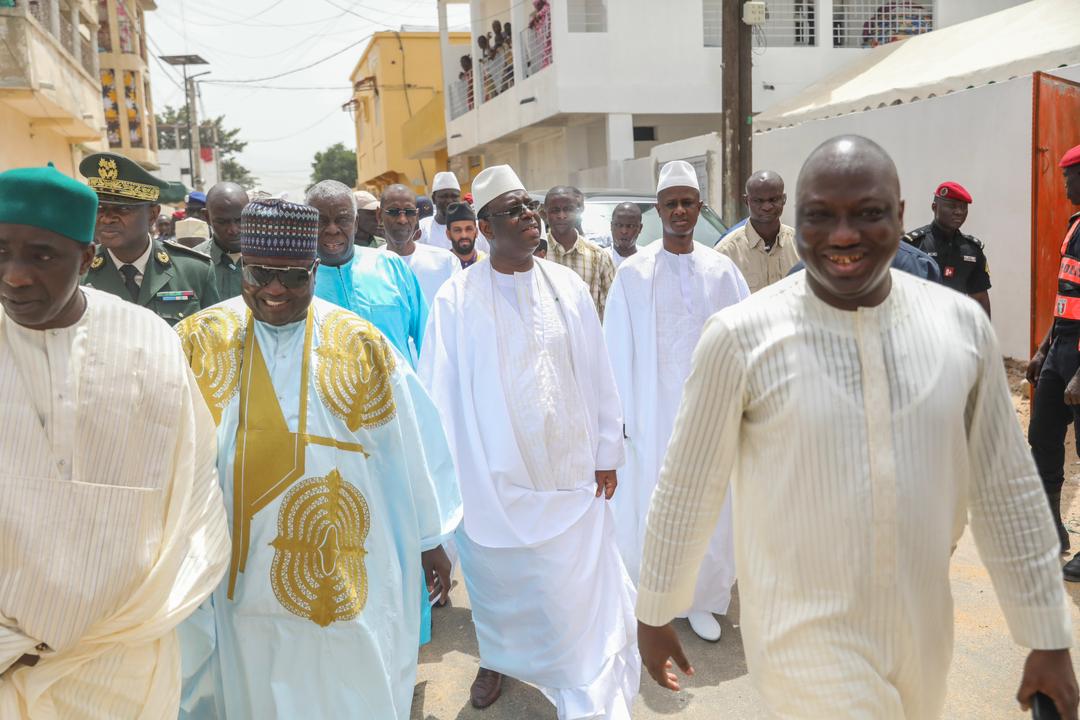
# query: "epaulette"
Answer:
x=185 y=250
x=916 y=234
x=975 y=240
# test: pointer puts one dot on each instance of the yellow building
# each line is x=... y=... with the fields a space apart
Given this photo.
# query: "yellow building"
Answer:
x=50 y=93
x=125 y=80
x=398 y=110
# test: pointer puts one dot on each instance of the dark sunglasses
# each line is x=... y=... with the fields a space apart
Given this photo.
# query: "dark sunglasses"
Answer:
x=290 y=278
x=398 y=212
x=516 y=211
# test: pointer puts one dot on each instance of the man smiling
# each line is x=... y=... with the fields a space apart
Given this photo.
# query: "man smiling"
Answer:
x=340 y=488
x=868 y=409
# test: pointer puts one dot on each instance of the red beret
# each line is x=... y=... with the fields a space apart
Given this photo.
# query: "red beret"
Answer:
x=953 y=191
x=1071 y=157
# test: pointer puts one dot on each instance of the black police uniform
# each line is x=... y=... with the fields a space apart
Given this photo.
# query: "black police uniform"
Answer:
x=962 y=260
x=1050 y=416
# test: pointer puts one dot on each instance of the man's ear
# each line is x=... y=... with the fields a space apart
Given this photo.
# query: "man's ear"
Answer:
x=485 y=228
x=88 y=254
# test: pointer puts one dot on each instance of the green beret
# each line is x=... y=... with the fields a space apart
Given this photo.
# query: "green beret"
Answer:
x=46 y=198
x=120 y=181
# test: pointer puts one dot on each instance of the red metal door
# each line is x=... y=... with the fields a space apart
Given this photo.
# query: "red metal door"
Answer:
x=1055 y=129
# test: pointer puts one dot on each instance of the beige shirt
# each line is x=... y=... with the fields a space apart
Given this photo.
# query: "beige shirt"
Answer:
x=759 y=266
x=590 y=262
x=898 y=430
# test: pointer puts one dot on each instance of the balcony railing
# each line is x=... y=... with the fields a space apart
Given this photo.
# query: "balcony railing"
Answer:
x=42 y=12
x=497 y=72
x=536 y=46
x=460 y=95
x=67 y=34
x=89 y=54
x=869 y=23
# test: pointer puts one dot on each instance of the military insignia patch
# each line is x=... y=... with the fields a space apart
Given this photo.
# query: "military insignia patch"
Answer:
x=107 y=169
x=98 y=262
x=163 y=257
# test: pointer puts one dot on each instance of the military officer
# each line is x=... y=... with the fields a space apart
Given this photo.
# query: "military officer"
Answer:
x=168 y=278
x=224 y=203
x=1055 y=368
x=960 y=257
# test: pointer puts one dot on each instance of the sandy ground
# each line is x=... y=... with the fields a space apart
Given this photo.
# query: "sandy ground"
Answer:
x=982 y=682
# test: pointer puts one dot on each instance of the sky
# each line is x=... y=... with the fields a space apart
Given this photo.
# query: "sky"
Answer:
x=285 y=119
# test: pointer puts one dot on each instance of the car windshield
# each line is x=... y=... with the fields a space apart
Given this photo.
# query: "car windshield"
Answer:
x=596 y=222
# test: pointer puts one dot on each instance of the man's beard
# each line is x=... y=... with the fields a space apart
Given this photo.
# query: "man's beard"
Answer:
x=464 y=248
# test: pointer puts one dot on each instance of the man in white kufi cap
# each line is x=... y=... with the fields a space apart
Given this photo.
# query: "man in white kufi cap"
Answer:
x=517 y=366
x=445 y=189
x=656 y=310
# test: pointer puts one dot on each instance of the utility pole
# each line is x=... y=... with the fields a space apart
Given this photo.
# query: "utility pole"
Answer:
x=189 y=106
x=737 y=98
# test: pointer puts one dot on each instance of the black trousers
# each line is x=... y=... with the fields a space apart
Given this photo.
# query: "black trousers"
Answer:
x=1050 y=416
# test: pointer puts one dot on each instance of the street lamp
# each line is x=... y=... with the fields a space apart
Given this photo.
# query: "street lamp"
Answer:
x=189 y=110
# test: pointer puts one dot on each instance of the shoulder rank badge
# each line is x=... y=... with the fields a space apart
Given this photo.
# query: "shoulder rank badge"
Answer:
x=98 y=262
x=162 y=257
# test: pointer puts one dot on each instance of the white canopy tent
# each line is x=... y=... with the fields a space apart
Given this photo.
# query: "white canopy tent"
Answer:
x=1038 y=35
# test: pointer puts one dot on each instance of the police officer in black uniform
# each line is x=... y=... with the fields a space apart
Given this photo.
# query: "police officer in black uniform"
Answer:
x=960 y=257
x=1055 y=368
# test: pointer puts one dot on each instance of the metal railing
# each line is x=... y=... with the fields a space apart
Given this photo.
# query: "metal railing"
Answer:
x=789 y=23
x=67 y=34
x=536 y=46
x=88 y=57
x=459 y=96
x=42 y=12
x=712 y=12
x=497 y=73
x=869 y=23
x=586 y=15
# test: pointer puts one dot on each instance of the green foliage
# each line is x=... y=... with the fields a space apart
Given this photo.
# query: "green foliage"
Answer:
x=172 y=130
x=336 y=162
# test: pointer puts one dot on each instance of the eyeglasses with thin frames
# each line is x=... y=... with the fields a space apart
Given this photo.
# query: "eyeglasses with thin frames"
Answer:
x=398 y=212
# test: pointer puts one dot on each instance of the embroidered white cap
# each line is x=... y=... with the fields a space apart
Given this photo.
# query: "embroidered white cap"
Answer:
x=445 y=181
x=192 y=228
x=493 y=182
x=677 y=173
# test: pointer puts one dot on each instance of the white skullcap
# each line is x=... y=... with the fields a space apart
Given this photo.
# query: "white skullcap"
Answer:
x=493 y=182
x=192 y=228
x=445 y=181
x=365 y=200
x=677 y=173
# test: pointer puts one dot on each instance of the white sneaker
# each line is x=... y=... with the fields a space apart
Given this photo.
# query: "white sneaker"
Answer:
x=705 y=625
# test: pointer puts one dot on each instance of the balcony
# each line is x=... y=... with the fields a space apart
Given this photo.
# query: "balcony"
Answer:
x=535 y=44
x=47 y=72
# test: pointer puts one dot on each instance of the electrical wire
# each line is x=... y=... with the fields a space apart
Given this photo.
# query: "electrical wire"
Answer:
x=320 y=61
x=321 y=120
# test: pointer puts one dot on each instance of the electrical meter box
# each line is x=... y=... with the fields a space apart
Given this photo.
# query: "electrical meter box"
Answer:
x=753 y=13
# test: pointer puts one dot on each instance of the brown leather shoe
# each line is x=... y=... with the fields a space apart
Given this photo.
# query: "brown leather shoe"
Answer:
x=486 y=688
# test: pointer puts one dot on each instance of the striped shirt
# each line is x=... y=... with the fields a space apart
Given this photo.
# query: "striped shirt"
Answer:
x=590 y=262
x=898 y=429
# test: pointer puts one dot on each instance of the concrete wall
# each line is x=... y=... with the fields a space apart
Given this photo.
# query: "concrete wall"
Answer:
x=25 y=145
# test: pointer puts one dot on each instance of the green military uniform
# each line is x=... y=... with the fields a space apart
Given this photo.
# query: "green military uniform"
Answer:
x=226 y=270
x=177 y=281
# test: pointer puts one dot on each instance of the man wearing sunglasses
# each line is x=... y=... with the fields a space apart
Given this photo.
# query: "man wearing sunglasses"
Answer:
x=378 y=286
x=517 y=365
x=398 y=215
x=170 y=279
x=340 y=491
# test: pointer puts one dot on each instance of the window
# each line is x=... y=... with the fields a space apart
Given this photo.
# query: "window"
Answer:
x=125 y=27
x=789 y=23
x=711 y=13
x=644 y=133
x=587 y=15
x=112 y=107
x=132 y=109
x=869 y=23
x=104 y=32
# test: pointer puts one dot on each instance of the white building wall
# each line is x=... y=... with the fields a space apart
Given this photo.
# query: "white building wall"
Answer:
x=980 y=138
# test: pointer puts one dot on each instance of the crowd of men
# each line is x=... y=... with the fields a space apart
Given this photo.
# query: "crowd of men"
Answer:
x=251 y=514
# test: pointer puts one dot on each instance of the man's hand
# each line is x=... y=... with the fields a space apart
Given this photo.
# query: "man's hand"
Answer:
x=1035 y=367
x=606 y=482
x=1051 y=673
x=437 y=574
x=658 y=647
x=1072 y=391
